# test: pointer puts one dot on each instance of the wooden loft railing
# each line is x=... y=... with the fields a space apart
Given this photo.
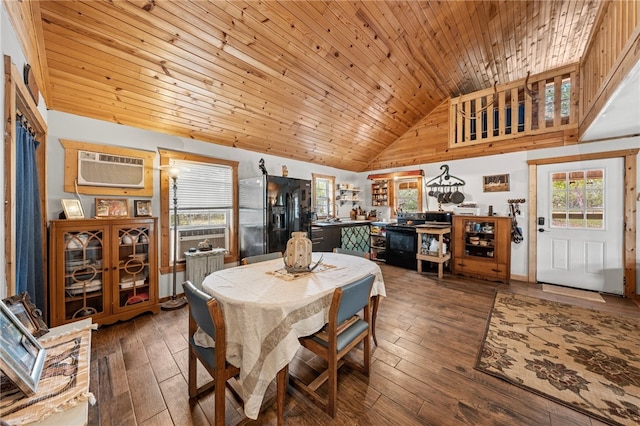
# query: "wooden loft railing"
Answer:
x=540 y=104
x=611 y=53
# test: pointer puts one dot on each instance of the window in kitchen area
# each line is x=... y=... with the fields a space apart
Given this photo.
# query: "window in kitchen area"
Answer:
x=207 y=205
x=324 y=195
x=408 y=194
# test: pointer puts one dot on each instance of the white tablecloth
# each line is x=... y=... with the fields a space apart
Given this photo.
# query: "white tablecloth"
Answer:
x=265 y=314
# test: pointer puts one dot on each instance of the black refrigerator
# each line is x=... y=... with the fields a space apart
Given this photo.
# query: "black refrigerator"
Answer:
x=271 y=208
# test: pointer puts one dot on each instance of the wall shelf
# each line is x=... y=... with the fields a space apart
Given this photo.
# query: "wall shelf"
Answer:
x=347 y=194
x=380 y=193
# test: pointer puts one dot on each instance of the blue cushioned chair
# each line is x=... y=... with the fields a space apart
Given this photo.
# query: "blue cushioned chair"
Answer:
x=204 y=312
x=351 y=252
x=260 y=258
x=375 y=300
x=344 y=331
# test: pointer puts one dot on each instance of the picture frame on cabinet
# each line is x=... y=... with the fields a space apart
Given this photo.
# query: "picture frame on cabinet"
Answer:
x=21 y=355
x=496 y=183
x=72 y=209
x=142 y=208
x=112 y=207
x=27 y=313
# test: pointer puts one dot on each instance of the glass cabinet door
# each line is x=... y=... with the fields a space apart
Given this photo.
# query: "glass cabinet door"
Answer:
x=479 y=238
x=84 y=276
x=132 y=272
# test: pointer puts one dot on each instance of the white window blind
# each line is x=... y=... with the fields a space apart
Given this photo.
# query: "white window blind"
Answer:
x=202 y=185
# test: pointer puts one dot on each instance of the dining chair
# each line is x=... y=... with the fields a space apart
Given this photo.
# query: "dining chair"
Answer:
x=375 y=300
x=260 y=258
x=206 y=313
x=351 y=252
x=344 y=331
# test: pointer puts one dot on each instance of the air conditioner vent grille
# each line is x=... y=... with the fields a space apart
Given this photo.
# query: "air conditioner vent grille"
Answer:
x=96 y=169
x=200 y=232
x=122 y=160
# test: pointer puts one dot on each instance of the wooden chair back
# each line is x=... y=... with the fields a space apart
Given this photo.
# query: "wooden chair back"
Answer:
x=260 y=258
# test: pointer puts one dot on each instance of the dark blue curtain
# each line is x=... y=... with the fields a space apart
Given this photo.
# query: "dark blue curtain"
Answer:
x=29 y=262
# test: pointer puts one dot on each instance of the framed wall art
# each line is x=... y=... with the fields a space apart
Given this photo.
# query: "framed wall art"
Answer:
x=72 y=209
x=27 y=313
x=496 y=183
x=142 y=207
x=21 y=355
x=112 y=207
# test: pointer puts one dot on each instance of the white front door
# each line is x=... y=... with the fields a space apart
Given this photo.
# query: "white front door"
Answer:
x=580 y=219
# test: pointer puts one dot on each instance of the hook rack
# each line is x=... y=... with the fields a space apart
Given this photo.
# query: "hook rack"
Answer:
x=439 y=181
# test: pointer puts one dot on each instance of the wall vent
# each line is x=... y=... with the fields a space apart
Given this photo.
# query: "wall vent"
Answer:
x=96 y=169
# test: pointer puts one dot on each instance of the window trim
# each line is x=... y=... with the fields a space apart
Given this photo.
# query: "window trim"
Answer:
x=165 y=187
x=392 y=177
x=397 y=180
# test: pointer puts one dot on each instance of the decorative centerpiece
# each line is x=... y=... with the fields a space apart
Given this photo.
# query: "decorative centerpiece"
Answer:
x=297 y=257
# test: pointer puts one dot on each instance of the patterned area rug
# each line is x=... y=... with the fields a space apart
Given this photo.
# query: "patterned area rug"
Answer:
x=585 y=359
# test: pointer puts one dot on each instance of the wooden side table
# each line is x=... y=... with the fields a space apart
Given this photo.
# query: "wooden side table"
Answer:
x=202 y=263
x=438 y=257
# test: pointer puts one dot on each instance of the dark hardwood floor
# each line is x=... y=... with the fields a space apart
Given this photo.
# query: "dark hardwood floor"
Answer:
x=428 y=331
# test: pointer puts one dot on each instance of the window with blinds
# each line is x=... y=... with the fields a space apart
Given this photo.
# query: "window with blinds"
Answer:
x=203 y=186
x=205 y=203
x=206 y=194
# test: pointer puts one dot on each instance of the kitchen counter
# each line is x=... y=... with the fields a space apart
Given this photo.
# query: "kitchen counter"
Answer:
x=348 y=234
x=346 y=222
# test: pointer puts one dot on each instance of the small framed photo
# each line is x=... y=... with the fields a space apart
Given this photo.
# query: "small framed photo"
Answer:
x=72 y=209
x=27 y=313
x=142 y=207
x=496 y=183
x=21 y=355
x=112 y=207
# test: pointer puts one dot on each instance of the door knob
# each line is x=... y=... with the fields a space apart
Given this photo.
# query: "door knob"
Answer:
x=542 y=230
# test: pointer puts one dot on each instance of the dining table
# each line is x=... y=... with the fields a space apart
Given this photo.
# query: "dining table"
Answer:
x=266 y=309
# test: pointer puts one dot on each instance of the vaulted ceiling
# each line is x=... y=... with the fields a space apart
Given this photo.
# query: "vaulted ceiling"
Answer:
x=329 y=82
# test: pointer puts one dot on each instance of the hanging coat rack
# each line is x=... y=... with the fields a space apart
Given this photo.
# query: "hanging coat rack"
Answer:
x=445 y=179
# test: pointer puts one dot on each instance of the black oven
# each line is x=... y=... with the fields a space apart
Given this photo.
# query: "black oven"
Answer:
x=402 y=247
x=402 y=239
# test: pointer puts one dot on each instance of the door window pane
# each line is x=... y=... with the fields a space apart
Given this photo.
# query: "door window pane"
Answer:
x=577 y=199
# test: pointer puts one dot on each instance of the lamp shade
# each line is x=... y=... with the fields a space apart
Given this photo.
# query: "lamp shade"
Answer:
x=172 y=170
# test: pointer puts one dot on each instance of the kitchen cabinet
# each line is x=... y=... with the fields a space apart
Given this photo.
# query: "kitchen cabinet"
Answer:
x=201 y=263
x=355 y=237
x=380 y=192
x=482 y=247
x=325 y=238
x=105 y=269
x=350 y=235
x=378 y=241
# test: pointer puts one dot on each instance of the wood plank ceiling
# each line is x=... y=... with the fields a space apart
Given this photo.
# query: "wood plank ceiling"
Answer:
x=329 y=82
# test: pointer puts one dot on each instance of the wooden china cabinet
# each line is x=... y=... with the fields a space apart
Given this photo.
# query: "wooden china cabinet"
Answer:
x=482 y=247
x=105 y=269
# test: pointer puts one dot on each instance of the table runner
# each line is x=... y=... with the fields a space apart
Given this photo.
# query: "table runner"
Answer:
x=64 y=381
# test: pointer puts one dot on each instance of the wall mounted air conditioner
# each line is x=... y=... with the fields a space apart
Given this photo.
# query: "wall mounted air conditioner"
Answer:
x=96 y=169
x=189 y=238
